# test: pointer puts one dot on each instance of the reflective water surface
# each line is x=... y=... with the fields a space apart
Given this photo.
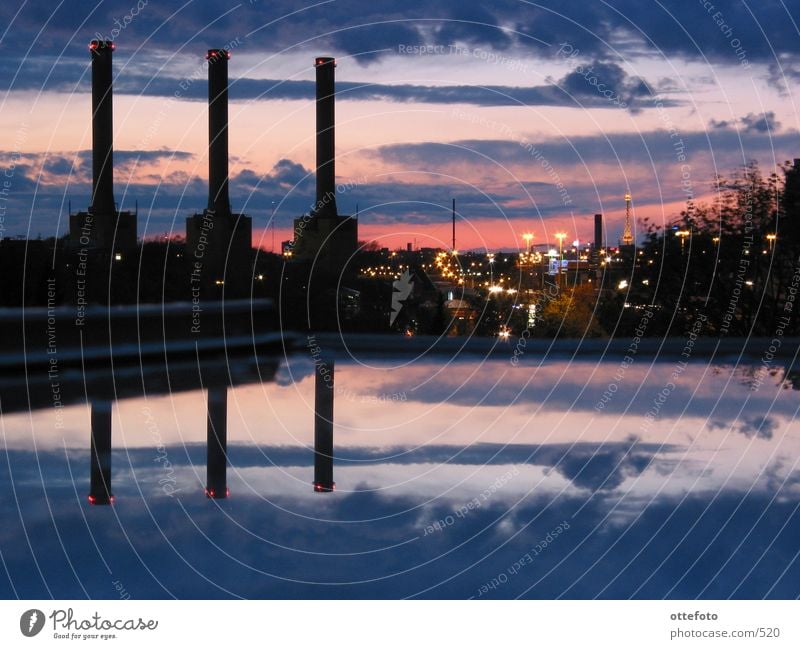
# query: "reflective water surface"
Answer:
x=561 y=479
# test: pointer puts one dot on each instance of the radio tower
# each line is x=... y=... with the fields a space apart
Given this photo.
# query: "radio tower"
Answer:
x=627 y=235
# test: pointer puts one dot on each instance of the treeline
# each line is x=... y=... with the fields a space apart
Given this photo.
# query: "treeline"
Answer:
x=730 y=267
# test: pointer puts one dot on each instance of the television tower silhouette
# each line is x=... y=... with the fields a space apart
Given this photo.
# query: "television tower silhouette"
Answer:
x=627 y=233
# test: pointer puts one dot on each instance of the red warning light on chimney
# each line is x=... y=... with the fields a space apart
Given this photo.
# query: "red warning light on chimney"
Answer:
x=101 y=45
x=213 y=54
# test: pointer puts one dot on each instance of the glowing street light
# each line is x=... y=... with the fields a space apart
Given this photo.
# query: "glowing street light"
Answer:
x=771 y=238
x=683 y=234
x=528 y=237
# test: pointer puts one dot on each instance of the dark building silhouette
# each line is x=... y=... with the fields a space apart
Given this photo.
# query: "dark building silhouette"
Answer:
x=219 y=242
x=788 y=231
x=323 y=236
x=102 y=228
x=26 y=271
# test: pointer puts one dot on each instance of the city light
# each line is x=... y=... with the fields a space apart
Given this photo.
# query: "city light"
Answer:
x=528 y=237
x=683 y=234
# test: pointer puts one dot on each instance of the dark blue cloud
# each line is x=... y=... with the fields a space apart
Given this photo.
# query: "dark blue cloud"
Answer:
x=753 y=123
x=656 y=148
x=604 y=33
x=567 y=92
x=125 y=157
x=606 y=467
x=612 y=82
x=598 y=467
x=370 y=42
x=763 y=123
x=621 y=27
x=474 y=25
x=760 y=426
x=60 y=165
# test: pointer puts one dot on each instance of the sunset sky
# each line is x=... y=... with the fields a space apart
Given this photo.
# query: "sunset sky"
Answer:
x=533 y=116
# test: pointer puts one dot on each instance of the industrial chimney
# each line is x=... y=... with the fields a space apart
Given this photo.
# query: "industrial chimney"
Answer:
x=218 y=198
x=323 y=236
x=598 y=233
x=326 y=140
x=217 y=443
x=102 y=229
x=323 y=427
x=218 y=241
x=100 y=454
x=102 y=129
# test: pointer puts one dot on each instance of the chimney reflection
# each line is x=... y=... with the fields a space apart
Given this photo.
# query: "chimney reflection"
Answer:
x=323 y=427
x=100 y=454
x=217 y=451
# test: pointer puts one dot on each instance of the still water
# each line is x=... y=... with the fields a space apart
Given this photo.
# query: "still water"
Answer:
x=559 y=479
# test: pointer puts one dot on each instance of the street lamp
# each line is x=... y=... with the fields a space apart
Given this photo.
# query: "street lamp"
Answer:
x=528 y=237
x=683 y=234
x=771 y=238
x=560 y=236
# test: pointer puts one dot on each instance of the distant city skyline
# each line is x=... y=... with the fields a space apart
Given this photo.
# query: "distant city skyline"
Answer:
x=532 y=121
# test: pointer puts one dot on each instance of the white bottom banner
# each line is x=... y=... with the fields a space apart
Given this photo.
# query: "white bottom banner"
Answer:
x=355 y=624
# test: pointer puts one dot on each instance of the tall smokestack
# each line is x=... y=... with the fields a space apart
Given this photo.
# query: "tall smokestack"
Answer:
x=218 y=200
x=326 y=167
x=323 y=427
x=102 y=129
x=598 y=232
x=100 y=454
x=217 y=443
